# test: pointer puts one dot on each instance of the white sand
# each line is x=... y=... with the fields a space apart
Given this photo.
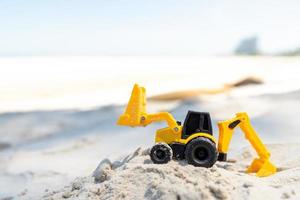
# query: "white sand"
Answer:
x=136 y=177
x=42 y=152
x=45 y=151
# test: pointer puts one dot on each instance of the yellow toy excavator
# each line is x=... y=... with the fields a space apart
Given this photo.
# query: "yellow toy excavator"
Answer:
x=194 y=140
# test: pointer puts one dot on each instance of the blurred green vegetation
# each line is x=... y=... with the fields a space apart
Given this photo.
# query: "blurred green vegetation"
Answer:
x=294 y=52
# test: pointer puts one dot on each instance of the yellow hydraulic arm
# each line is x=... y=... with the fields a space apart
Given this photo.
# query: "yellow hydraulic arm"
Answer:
x=262 y=165
x=136 y=115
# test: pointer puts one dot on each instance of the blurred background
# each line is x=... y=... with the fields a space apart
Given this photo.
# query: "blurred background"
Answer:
x=67 y=69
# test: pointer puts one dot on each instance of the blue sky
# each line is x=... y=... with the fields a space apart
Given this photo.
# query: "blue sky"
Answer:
x=149 y=27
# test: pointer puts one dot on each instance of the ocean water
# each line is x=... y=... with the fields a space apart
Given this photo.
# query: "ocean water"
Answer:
x=52 y=83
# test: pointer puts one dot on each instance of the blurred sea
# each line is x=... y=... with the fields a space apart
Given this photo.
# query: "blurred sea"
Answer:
x=52 y=83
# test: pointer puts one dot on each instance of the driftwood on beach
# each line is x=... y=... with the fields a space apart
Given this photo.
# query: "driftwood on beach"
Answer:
x=186 y=94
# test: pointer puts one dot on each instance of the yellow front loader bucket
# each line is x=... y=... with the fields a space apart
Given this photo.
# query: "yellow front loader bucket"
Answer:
x=136 y=108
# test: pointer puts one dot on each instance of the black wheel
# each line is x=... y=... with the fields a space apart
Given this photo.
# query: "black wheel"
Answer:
x=161 y=153
x=201 y=152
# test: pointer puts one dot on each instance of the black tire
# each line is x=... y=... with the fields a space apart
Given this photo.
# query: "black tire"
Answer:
x=201 y=152
x=161 y=153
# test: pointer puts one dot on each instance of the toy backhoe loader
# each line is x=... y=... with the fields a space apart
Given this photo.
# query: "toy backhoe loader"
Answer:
x=194 y=140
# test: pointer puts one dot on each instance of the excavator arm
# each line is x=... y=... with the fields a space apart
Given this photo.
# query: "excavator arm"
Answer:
x=262 y=165
x=136 y=115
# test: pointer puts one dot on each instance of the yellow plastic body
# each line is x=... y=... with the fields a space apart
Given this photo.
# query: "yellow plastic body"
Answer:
x=262 y=165
x=168 y=135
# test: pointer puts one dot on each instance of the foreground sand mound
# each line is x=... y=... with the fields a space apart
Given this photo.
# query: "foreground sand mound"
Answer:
x=136 y=177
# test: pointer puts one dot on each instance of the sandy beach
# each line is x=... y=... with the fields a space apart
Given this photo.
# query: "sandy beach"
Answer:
x=136 y=177
x=50 y=148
